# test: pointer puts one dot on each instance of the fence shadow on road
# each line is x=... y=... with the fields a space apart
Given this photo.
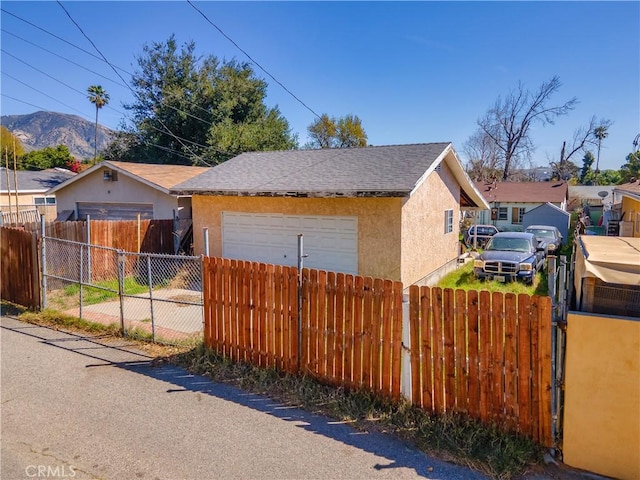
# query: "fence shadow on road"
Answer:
x=107 y=351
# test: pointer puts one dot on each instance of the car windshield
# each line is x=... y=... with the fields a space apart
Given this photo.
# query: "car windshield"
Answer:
x=511 y=244
x=541 y=232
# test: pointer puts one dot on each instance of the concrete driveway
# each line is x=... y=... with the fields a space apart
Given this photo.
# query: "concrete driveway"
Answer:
x=81 y=407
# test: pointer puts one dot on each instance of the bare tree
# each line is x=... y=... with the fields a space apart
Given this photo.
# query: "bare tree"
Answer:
x=484 y=160
x=509 y=121
x=584 y=137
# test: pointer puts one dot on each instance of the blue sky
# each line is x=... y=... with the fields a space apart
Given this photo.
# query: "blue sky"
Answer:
x=413 y=72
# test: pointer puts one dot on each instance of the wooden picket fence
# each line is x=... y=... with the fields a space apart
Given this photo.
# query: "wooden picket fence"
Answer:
x=487 y=355
x=19 y=267
x=484 y=354
x=20 y=256
x=149 y=236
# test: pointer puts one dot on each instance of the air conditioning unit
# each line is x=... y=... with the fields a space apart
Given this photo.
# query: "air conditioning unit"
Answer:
x=110 y=175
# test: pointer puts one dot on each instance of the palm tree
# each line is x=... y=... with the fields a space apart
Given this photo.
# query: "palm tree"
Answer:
x=99 y=97
x=600 y=133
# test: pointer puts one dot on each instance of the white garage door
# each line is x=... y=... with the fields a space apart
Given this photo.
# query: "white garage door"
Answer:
x=330 y=242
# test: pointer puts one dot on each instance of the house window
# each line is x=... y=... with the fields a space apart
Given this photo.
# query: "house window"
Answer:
x=517 y=215
x=448 y=221
x=44 y=200
x=503 y=213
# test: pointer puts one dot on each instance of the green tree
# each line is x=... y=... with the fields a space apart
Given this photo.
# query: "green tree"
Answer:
x=48 y=157
x=190 y=110
x=99 y=97
x=508 y=123
x=586 y=173
x=609 y=177
x=9 y=144
x=631 y=169
x=343 y=132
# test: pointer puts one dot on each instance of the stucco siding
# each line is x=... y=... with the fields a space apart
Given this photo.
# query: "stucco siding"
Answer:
x=425 y=245
x=602 y=394
x=379 y=226
x=26 y=201
x=93 y=188
x=631 y=209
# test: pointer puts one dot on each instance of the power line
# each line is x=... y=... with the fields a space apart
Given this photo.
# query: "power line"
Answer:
x=113 y=67
x=162 y=100
x=56 y=36
x=125 y=82
x=42 y=93
x=52 y=78
x=139 y=138
x=252 y=60
x=62 y=57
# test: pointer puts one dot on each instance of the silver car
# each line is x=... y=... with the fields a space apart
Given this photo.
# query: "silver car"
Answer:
x=548 y=235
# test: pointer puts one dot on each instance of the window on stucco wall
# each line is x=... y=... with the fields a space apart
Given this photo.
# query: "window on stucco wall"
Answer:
x=503 y=213
x=448 y=221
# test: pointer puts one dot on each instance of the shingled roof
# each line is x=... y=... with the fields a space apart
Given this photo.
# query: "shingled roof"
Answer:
x=34 y=181
x=161 y=177
x=523 y=192
x=631 y=188
x=370 y=171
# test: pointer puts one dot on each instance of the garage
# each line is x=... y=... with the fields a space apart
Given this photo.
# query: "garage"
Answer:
x=114 y=211
x=330 y=242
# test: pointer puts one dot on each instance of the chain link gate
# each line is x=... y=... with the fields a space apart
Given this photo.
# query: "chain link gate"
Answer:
x=150 y=296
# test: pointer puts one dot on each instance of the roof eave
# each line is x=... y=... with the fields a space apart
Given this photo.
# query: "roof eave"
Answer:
x=293 y=194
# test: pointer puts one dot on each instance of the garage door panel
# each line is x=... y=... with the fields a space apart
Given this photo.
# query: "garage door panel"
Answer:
x=114 y=210
x=330 y=243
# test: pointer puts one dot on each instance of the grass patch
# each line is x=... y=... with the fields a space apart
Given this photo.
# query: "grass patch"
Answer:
x=104 y=290
x=464 y=279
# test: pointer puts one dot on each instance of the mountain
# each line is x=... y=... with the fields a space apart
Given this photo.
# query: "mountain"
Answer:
x=50 y=129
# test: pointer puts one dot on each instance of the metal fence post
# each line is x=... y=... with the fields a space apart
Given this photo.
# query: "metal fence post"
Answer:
x=44 y=262
x=205 y=232
x=553 y=293
x=301 y=257
x=89 y=248
x=120 y=267
x=174 y=233
x=80 y=278
x=153 y=320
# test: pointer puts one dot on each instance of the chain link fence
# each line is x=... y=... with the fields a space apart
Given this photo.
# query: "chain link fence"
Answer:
x=151 y=296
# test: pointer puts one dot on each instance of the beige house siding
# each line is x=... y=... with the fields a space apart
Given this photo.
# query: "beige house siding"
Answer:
x=26 y=201
x=379 y=249
x=631 y=209
x=93 y=188
x=425 y=246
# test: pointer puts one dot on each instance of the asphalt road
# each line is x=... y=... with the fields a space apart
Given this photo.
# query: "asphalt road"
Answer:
x=76 y=407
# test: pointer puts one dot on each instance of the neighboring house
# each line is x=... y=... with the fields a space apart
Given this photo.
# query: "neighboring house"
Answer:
x=548 y=214
x=390 y=211
x=509 y=201
x=607 y=275
x=122 y=191
x=590 y=199
x=628 y=196
x=33 y=197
